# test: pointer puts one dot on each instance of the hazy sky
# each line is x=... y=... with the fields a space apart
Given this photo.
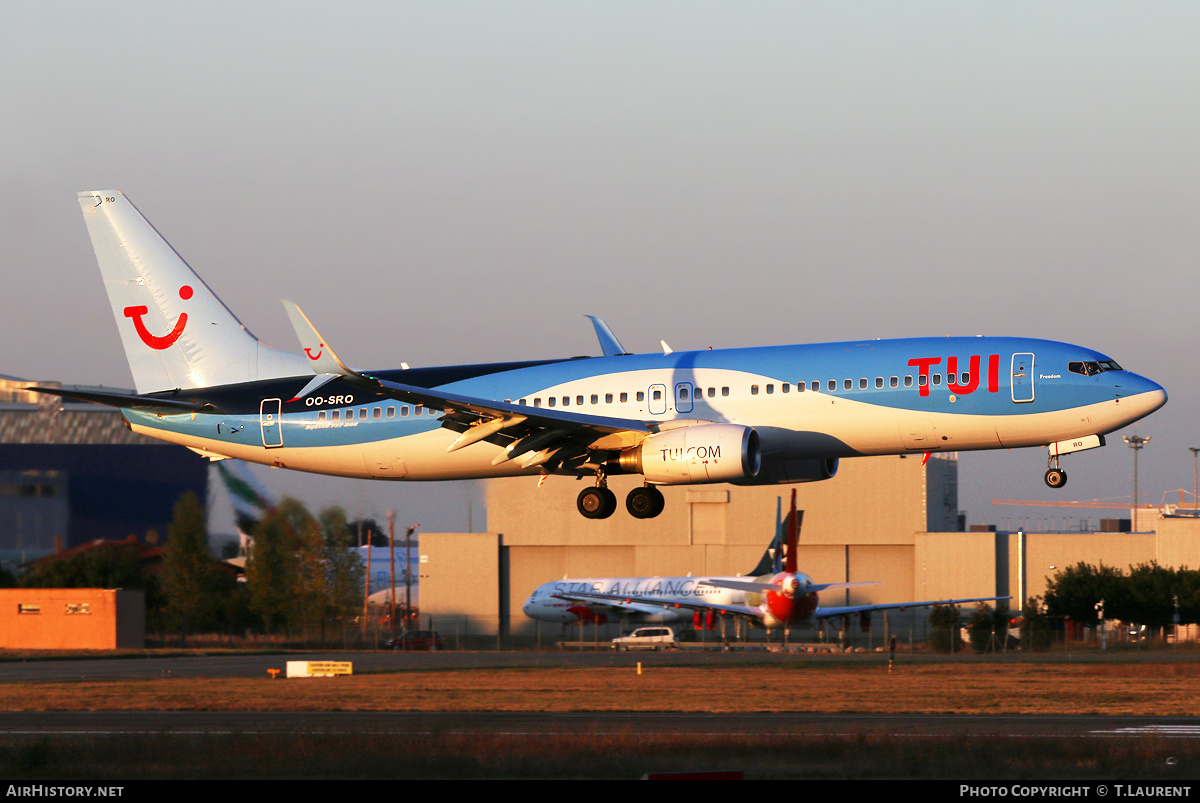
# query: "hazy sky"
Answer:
x=459 y=182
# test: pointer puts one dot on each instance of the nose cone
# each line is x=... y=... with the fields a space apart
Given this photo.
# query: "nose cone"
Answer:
x=1139 y=396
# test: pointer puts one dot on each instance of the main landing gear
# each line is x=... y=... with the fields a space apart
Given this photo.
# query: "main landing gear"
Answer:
x=645 y=502
x=1055 y=476
x=599 y=502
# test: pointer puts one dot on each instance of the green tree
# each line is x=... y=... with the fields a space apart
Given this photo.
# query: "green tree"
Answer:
x=344 y=568
x=1188 y=589
x=1075 y=591
x=945 y=635
x=118 y=565
x=1149 y=597
x=988 y=628
x=303 y=572
x=1036 y=633
x=273 y=570
x=194 y=585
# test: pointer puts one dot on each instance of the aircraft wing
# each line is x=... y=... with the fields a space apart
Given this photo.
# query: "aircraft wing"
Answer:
x=823 y=612
x=655 y=604
x=536 y=436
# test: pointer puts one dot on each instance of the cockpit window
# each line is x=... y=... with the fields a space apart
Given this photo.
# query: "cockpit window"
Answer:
x=1092 y=367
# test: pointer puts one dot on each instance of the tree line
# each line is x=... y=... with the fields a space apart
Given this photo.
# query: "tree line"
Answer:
x=1145 y=595
x=302 y=576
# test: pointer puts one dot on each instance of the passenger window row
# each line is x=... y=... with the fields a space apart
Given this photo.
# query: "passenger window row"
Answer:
x=684 y=394
x=863 y=383
x=376 y=412
x=609 y=398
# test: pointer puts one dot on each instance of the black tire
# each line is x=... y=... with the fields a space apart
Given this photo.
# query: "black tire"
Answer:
x=1056 y=477
x=645 y=503
x=596 y=503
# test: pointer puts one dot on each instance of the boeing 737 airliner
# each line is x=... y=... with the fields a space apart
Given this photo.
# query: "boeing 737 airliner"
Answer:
x=750 y=416
x=774 y=594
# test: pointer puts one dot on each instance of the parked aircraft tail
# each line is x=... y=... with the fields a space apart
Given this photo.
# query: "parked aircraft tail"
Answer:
x=781 y=552
x=176 y=332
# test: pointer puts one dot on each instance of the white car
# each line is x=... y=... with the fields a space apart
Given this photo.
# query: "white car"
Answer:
x=648 y=638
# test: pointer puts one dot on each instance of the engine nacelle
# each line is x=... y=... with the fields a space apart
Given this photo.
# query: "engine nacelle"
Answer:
x=696 y=454
x=782 y=469
x=814 y=470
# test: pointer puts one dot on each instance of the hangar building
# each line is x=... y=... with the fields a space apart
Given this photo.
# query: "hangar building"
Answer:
x=889 y=519
x=72 y=472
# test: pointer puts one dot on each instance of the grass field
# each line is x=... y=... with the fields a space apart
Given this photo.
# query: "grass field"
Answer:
x=1123 y=687
x=820 y=686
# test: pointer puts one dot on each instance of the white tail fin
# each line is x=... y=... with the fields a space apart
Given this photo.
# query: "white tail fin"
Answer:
x=176 y=332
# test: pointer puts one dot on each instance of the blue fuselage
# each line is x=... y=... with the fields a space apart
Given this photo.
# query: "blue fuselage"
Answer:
x=818 y=401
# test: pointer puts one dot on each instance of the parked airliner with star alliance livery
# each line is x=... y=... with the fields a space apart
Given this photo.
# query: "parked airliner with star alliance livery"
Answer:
x=774 y=594
x=765 y=415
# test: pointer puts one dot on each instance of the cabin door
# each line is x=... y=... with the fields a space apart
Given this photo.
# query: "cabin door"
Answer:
x=270 y=415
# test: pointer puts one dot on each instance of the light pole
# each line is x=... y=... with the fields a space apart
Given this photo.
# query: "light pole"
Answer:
x=1195 y=475
x=1136 y=442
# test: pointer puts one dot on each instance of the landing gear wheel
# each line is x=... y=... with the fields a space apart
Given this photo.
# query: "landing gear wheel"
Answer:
x=1056 y=477
x=645 y=503
x=596 y=503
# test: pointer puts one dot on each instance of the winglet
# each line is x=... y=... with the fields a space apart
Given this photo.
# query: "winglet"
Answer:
x=608 y=341
x=321 y=356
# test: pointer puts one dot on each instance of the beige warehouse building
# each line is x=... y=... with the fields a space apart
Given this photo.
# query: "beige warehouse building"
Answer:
x=889 y=519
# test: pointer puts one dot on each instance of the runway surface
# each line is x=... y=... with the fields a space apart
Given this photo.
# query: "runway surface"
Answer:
x=93 y=724
x=256 y=665
x=90 y=724
x=97 y=724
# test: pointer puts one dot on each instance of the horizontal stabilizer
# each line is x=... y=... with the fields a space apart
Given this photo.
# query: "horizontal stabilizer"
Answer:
x=132 y=401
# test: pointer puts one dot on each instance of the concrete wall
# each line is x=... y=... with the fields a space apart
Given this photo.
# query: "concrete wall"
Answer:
x=463 y=582
x=1178 y=542
x=871 y=500
x=72 y=618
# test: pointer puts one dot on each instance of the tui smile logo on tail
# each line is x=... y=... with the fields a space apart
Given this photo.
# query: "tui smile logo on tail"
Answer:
x=159 y=342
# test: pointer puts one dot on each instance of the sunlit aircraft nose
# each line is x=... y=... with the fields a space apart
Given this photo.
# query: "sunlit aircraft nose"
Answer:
x=1140 y=396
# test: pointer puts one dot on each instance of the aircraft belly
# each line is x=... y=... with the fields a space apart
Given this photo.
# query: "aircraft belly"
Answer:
x=414 y=457
x=859 y=428
x=1040 y=429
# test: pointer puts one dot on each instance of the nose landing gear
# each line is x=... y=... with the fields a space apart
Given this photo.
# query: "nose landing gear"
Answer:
x=1055 y=476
